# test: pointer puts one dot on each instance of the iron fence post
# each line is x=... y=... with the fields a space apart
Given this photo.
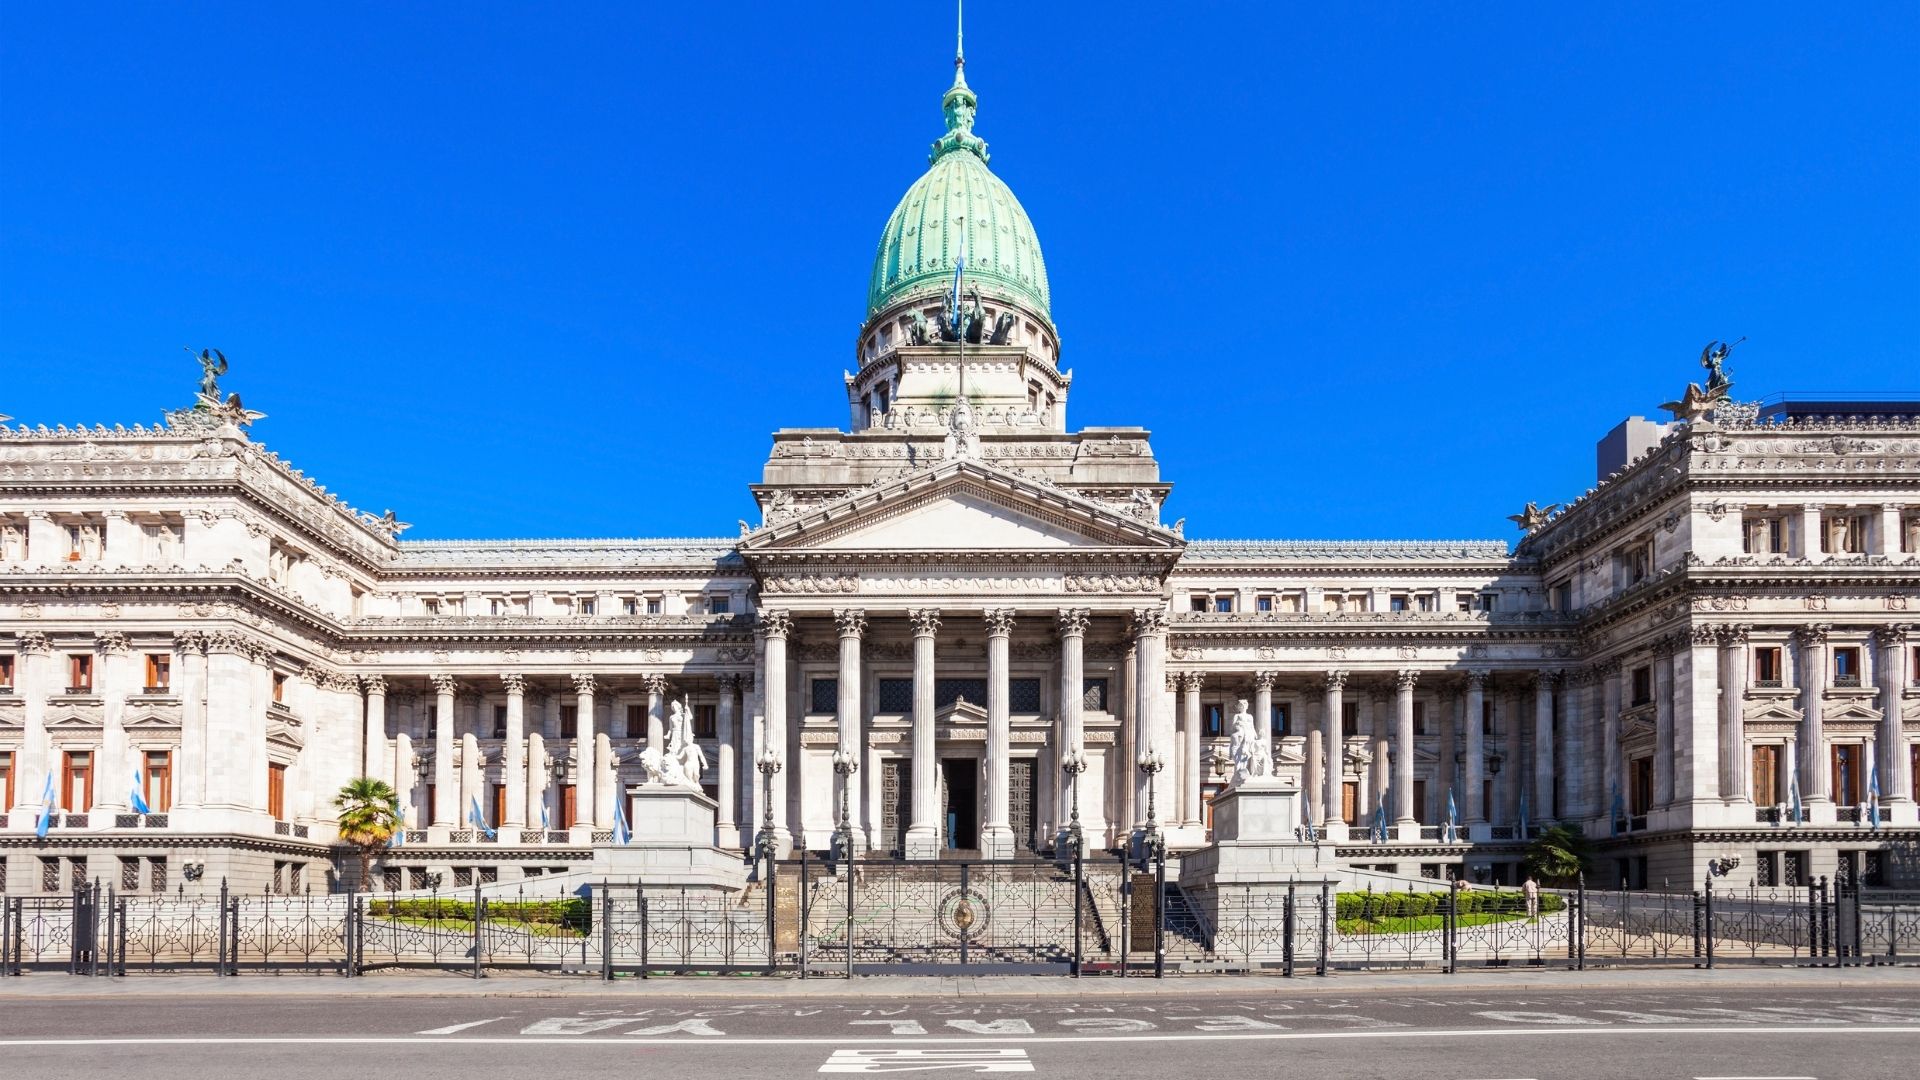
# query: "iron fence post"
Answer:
x=804 y=896
x=1126 y=910
x=1709 y=891
x=606 y=933
x=220 y=950
x=773 y=940
x=1326 y=925
x=1287 y=917
x=646 y=929
x=1079 y=882
x=847 y=855
x=966 y=882
x=1825 y=916
x=1859 y=933
x=1580 y=922
x=479 y=916
x=1160 y=912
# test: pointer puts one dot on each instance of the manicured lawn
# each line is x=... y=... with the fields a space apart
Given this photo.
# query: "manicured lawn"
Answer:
x=1413 y=924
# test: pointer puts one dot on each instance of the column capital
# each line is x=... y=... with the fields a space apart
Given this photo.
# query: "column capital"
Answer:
x=1336 y=678
x=185 y=641
x=113 y=641
x=926 y=621
x=1477 y=678
x=1733 y=635
x=1404 y=679
x=655 y=683
x=445 y=684
x=1150 y=620
x=1263 y=680
x=374 y=684
x=1192 y=681
x=1892 y=635
x=1550 y=678
x=1073 y=622
x=1813 y=634
x=999 y=622
x=582 y=682
x=515 y=682
x=729 y=681
x=851 y=621
x=776 y=623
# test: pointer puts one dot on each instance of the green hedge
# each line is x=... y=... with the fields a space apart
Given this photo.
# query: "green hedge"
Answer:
x=575 y=912
x=1401 y=905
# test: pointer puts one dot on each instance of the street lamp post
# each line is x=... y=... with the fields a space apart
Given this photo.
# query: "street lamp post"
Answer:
x=768 y=763
x=1073 y=764
x=846 y=765
x=1154 y=846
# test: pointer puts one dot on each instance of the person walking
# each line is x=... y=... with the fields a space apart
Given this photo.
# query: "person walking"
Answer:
x=1532 y=891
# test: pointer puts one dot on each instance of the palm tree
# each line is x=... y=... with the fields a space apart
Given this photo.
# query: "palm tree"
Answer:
x=1558 y=854
x=369 y=816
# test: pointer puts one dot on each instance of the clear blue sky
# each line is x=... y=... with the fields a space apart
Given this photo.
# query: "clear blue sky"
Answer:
x=1382 y=270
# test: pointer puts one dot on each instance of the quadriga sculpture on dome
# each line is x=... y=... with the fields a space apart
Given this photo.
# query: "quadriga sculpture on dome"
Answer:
x=683 y=762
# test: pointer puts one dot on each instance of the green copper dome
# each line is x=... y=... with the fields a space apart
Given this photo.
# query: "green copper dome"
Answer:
x=959 y=194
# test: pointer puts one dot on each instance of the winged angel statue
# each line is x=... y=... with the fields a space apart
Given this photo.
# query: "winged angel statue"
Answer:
x=683 y=761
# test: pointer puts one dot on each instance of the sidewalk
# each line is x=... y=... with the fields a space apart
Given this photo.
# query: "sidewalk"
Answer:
x=1039 y=988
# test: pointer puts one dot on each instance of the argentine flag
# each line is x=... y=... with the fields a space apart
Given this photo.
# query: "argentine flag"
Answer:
x=1793 y=797
x=1619 y=811
x=1306 y=814
x=622 y=832
x=1380 y=817
x=543 y=815
x=478 y=819
x=138 y=800
x=1453 y=818
x=45 y=820
x=1873 y=797
x=959 y=271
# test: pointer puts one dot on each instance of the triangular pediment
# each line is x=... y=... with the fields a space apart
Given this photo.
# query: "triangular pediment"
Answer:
x=962 y=506
x=961 y=711
x=1774 y=711
x=1853 y=710
x=72 y=721
x=152 y=723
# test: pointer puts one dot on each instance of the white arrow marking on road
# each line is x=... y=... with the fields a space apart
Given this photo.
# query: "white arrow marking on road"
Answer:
x=985 y=1059
x=453 y=1028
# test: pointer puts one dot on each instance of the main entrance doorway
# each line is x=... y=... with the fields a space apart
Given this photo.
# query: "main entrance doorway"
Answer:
x=960 y=804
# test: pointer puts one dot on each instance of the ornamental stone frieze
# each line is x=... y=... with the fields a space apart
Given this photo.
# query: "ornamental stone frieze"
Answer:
x=809 y=584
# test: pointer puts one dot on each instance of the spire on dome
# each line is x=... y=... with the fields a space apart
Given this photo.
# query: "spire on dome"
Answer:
x=959 y=104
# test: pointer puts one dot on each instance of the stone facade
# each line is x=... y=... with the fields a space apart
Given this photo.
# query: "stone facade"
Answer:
x=939 y=608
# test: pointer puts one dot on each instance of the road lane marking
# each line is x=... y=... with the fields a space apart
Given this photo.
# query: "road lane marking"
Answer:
x=1257 y=1036
x=974 y=1059
x=453 y=1029
x=1756 y=1078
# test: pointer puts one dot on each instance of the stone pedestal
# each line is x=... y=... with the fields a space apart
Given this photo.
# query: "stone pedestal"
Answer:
x=1255 y=856
x=672 y=844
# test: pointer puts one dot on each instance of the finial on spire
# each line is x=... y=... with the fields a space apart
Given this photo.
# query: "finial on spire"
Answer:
x=960 y=33
x=959 y=101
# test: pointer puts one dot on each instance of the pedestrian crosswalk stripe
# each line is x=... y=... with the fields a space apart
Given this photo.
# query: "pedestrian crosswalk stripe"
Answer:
x=969 y=1059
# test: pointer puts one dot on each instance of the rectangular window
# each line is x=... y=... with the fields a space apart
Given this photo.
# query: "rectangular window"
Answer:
x=1765 y=535
x=636 y=722
x=159 y=672
x=569 y=721
x=1093 y=695
x=705 y=721
x=1213 y=719
x=1639 y=786
x=1023 y=695
x=279 y=688
x=588 y=606
x=948 y=691
x=499 y=722
x=6 y=778
x=567 y=806
x=629 y=606
x=720 y=604
x=895 y=696
x=1489 y=602
x=1200 y=603
x=1642 y=686
x=1223 y=603
x=1486 y=717
x=498 y=802
x=824 y=696
x=157 y=781
x=6 y=675
x=1397 y=602
x=1563 y=597
x=1263 y=604
x=1766 y=775
x=1766 y=870
x=1846 y=665
x=1463 y=601
x=1767 y=665
x=1636 y=562
x=79 y=673
x=1847 y=781
x=1420 y=718
x=276 y=791
x=1349 y=719
x=653 y=605
x=1280 y=720
x=76 y=781
x=430 y=605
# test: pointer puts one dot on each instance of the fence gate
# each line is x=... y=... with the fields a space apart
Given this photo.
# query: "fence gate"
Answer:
x=891 y=916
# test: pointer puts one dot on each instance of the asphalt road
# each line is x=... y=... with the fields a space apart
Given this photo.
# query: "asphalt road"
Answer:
x=1474 y=1035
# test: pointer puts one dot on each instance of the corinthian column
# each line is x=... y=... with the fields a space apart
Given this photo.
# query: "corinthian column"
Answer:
x=1191 y=769
x=513 y=758
x=1542 y=808
x=445 y=791
x=1476 y=751
x=923 y=831
x=376 y=756
x=1812 y=742
x=1153 y=727
x=586 y=756
x=725 y=732
x=1263 y=713
x=996 y=838
x=853 y=626
x=1890 y=669
x=1068 y=734
x=1735 y=778
x=1403 y=752
x=775 y=626
x=656 y=686
x=1333 y=748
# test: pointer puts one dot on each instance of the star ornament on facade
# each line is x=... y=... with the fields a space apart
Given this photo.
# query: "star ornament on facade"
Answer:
x=1534 y=516
x=1693 y=405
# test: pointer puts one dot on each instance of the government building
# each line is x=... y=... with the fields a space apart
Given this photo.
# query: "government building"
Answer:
x=959 y=626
